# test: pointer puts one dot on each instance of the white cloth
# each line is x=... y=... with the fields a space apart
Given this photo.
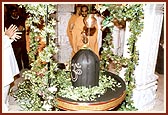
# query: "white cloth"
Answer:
x=9 y=67
x=5 y=99
x=99 y=37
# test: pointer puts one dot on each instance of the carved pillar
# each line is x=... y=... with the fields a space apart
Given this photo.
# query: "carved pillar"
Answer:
x=146 y=81
x=118 y=41
x=63 y=15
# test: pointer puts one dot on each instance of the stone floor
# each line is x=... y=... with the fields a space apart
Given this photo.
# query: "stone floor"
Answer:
x=158 y=107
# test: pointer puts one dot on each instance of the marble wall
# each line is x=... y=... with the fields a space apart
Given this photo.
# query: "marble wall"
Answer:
x=63 y=15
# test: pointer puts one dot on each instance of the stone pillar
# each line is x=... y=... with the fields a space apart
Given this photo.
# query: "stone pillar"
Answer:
x=118 y=41
x=146 y=81
x=64 y=12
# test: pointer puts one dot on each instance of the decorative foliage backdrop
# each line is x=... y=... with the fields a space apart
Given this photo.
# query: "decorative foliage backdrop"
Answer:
x=37 y=92
x=132 y=13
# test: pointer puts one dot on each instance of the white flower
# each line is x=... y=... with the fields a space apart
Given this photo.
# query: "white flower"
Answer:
x=105 y=49
x=50 y=97
x=52 y=89
x=47 y=107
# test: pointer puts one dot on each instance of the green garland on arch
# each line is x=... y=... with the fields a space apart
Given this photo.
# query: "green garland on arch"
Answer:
x=132 y=13
x=37 y=92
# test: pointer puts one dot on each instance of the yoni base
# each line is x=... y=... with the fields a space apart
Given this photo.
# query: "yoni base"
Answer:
x=110 y=100
x=64 y=104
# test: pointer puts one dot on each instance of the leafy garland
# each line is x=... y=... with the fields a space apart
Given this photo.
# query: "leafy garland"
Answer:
x=132 y=13
x=86 y=94
x=37 y=92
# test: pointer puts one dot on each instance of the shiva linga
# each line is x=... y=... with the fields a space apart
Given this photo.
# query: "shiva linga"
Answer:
x=85 y=71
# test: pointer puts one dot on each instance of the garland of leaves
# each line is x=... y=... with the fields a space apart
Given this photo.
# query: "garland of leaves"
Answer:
x=132 y=13
x=83 y=93
x=34 y=93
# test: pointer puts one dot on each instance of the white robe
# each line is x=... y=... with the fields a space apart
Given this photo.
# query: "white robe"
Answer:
x=9 y=63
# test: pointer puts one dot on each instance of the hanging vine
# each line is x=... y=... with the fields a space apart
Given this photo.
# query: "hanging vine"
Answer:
x=36 y=92
x=118 y=13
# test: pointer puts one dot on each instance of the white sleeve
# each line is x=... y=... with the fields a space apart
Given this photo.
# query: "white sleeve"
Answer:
x=6 y=41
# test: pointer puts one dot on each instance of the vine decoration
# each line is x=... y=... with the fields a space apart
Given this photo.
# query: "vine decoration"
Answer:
x=35 y=93
x=83 y=93
x=118 y=13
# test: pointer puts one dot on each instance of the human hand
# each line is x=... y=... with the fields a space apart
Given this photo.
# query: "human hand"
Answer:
x=11 y=32
x=16 y=36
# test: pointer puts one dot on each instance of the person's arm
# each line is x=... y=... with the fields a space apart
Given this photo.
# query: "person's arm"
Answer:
x=10 y=35
x=69 y=31
x=6 y=41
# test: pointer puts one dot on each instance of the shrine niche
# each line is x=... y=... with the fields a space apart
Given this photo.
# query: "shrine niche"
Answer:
x=86 y=75
x=62 y=84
